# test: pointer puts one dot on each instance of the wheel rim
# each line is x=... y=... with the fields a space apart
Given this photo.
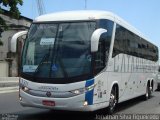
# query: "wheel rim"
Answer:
x=147 y=94
x=112 y=102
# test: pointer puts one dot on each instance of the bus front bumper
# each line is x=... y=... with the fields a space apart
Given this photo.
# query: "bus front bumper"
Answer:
x=76 y=103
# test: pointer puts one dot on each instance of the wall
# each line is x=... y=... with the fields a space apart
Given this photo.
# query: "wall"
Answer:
x=9 y=61
x=4 y=69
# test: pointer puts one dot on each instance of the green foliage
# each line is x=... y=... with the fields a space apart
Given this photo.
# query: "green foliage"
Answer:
x=13 y=11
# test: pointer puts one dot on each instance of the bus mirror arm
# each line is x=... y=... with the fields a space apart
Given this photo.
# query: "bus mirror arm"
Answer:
x=14 y=40
x=95 y=38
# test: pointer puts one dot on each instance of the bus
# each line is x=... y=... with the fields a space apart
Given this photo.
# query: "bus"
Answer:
x=158 y=79
x=85 y=61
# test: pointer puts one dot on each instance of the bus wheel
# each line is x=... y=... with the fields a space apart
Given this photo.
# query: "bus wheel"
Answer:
x=112 y=101
x=148 y=92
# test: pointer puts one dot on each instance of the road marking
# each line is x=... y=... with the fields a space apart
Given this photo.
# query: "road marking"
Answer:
x=9 y=89
x=9 y=81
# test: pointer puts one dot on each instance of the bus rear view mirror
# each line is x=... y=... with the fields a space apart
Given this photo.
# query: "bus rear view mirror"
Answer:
x=15 y=38
x=95 y=38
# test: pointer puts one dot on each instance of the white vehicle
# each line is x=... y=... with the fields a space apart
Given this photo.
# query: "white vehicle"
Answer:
x=158 y=78
x=85 y=61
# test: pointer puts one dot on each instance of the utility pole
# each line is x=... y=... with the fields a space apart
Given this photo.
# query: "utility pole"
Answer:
x=85 y=4
x=41 y=7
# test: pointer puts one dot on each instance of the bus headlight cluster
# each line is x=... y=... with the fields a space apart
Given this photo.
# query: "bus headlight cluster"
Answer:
x=78 y=91
x=24 y=88
x=85 y=103
x=83 y=90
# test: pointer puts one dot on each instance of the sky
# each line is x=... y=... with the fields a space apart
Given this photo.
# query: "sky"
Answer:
x=142 y=14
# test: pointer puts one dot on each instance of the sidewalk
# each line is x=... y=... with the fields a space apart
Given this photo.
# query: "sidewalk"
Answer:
x=9 y=81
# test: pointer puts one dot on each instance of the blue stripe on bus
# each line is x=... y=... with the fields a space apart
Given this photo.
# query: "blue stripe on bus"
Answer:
x=89 y=94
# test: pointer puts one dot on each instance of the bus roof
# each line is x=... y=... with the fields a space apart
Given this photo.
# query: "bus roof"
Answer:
x=87 y=15
x=75 y=15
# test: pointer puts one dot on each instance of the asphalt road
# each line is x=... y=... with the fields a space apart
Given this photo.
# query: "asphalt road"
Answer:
x=11 y=109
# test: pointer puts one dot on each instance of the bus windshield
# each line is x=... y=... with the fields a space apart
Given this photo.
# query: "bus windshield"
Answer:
x=58 y=50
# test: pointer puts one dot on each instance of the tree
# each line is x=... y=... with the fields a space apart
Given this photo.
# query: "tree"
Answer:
x=13 y=11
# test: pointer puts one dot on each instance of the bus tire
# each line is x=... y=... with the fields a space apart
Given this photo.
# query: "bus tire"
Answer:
x=158 y=87
x=112 y=101
x=148 y=92
x=152 y=85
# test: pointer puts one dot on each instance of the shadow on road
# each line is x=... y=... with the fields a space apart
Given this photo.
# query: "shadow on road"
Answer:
x=58 y=115
x=128 y=104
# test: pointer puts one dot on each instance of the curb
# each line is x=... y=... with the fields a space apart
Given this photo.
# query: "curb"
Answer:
x=9 y=81
x=9 y=78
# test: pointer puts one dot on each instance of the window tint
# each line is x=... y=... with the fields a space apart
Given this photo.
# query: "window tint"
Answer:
x=127 y=42
x=101 y=56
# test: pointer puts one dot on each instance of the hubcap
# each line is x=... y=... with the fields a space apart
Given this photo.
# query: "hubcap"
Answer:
x=147 y=95
x=147 y=92
x=112 y=103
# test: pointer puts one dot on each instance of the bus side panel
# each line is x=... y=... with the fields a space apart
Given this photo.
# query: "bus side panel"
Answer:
x=101 y=89
x=131 y=75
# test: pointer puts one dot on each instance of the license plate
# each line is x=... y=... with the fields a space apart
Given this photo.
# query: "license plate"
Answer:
x=48 y=103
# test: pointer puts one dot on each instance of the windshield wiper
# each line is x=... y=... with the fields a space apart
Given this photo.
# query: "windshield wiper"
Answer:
x=41 y=62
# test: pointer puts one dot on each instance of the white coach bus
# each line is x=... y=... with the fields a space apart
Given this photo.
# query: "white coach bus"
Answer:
x=85 y=61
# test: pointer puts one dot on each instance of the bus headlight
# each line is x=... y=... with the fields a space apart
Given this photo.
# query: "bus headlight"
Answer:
x=83 y=90
x=20 y=98
x=24 y=88
x=78 y=91
x=85 y=103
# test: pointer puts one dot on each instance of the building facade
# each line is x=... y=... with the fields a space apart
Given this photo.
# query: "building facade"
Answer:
x=10 y=61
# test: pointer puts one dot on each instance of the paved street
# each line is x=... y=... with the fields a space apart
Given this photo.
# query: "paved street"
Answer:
x=9 y=104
